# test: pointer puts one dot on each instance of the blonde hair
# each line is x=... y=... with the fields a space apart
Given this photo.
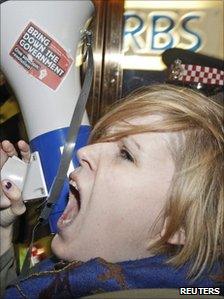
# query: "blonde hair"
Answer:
x=195 y=202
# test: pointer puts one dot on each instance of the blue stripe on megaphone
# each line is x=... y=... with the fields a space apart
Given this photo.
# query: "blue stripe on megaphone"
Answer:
x=49 y=146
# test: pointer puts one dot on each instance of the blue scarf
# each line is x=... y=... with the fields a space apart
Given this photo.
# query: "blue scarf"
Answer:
x=53 y=279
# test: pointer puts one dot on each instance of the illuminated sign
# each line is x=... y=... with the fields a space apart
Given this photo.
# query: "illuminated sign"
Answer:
x=151 y=27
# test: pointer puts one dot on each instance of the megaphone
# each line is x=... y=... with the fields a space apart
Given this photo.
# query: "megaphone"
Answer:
x=38 y=52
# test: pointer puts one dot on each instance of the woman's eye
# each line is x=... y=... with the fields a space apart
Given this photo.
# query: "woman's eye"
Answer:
x=126 y=155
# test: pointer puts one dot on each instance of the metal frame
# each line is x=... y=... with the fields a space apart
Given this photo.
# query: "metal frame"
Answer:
x=107 y=28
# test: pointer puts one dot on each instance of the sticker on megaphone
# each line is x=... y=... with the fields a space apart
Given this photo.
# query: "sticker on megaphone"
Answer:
x=28 y=177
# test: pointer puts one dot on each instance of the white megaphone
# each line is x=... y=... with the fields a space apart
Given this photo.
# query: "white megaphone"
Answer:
x=38 y=51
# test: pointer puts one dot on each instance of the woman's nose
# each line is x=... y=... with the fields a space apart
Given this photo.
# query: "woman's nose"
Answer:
x=87 y=156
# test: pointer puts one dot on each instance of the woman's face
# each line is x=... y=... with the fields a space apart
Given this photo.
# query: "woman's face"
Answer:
x=123 y=187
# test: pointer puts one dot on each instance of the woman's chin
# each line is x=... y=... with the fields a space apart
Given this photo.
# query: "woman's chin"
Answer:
x=58 y=247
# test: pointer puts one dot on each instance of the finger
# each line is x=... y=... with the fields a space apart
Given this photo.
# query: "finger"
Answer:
x=9 y=148
x=13 y=193
x=4 y=202
x=24 y=150
x=3 y=157
x=11 y=190
x=3 y=154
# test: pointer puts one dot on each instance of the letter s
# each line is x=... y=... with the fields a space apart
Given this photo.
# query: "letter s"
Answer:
x=195 y=38
x=217 y=291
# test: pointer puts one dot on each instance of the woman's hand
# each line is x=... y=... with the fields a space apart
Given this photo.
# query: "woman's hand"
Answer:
x=8 y=150
x=11 y=203
x=10 y=194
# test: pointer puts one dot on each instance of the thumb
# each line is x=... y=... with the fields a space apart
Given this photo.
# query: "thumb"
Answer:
x=11 y=190
x=13 y=194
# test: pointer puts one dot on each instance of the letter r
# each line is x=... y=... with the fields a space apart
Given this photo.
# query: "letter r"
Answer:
x=182 y=291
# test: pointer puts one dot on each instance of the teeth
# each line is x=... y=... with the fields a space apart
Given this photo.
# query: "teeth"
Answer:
x=71 y=196
x=73 y=183
x=66 y=221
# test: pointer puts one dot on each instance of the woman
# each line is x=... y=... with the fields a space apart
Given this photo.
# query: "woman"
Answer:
x=146 y=200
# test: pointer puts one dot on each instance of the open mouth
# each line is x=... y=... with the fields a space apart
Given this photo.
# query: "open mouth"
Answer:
x=74 y=190
x=73 y=207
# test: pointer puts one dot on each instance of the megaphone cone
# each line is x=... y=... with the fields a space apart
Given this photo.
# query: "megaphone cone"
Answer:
x=38 y=47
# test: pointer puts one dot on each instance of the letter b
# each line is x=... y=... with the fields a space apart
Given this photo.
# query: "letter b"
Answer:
x=163 y=36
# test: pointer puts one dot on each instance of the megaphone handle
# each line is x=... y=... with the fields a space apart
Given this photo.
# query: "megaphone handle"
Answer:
x=72 y=135
x=26 y=264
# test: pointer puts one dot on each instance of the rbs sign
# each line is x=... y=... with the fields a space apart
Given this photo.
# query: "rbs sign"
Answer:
x=155 y=32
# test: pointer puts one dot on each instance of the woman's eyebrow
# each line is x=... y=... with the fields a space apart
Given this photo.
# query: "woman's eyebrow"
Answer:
x=132 y=140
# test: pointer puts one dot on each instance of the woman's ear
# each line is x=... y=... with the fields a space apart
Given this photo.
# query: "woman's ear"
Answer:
x=178 y=237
